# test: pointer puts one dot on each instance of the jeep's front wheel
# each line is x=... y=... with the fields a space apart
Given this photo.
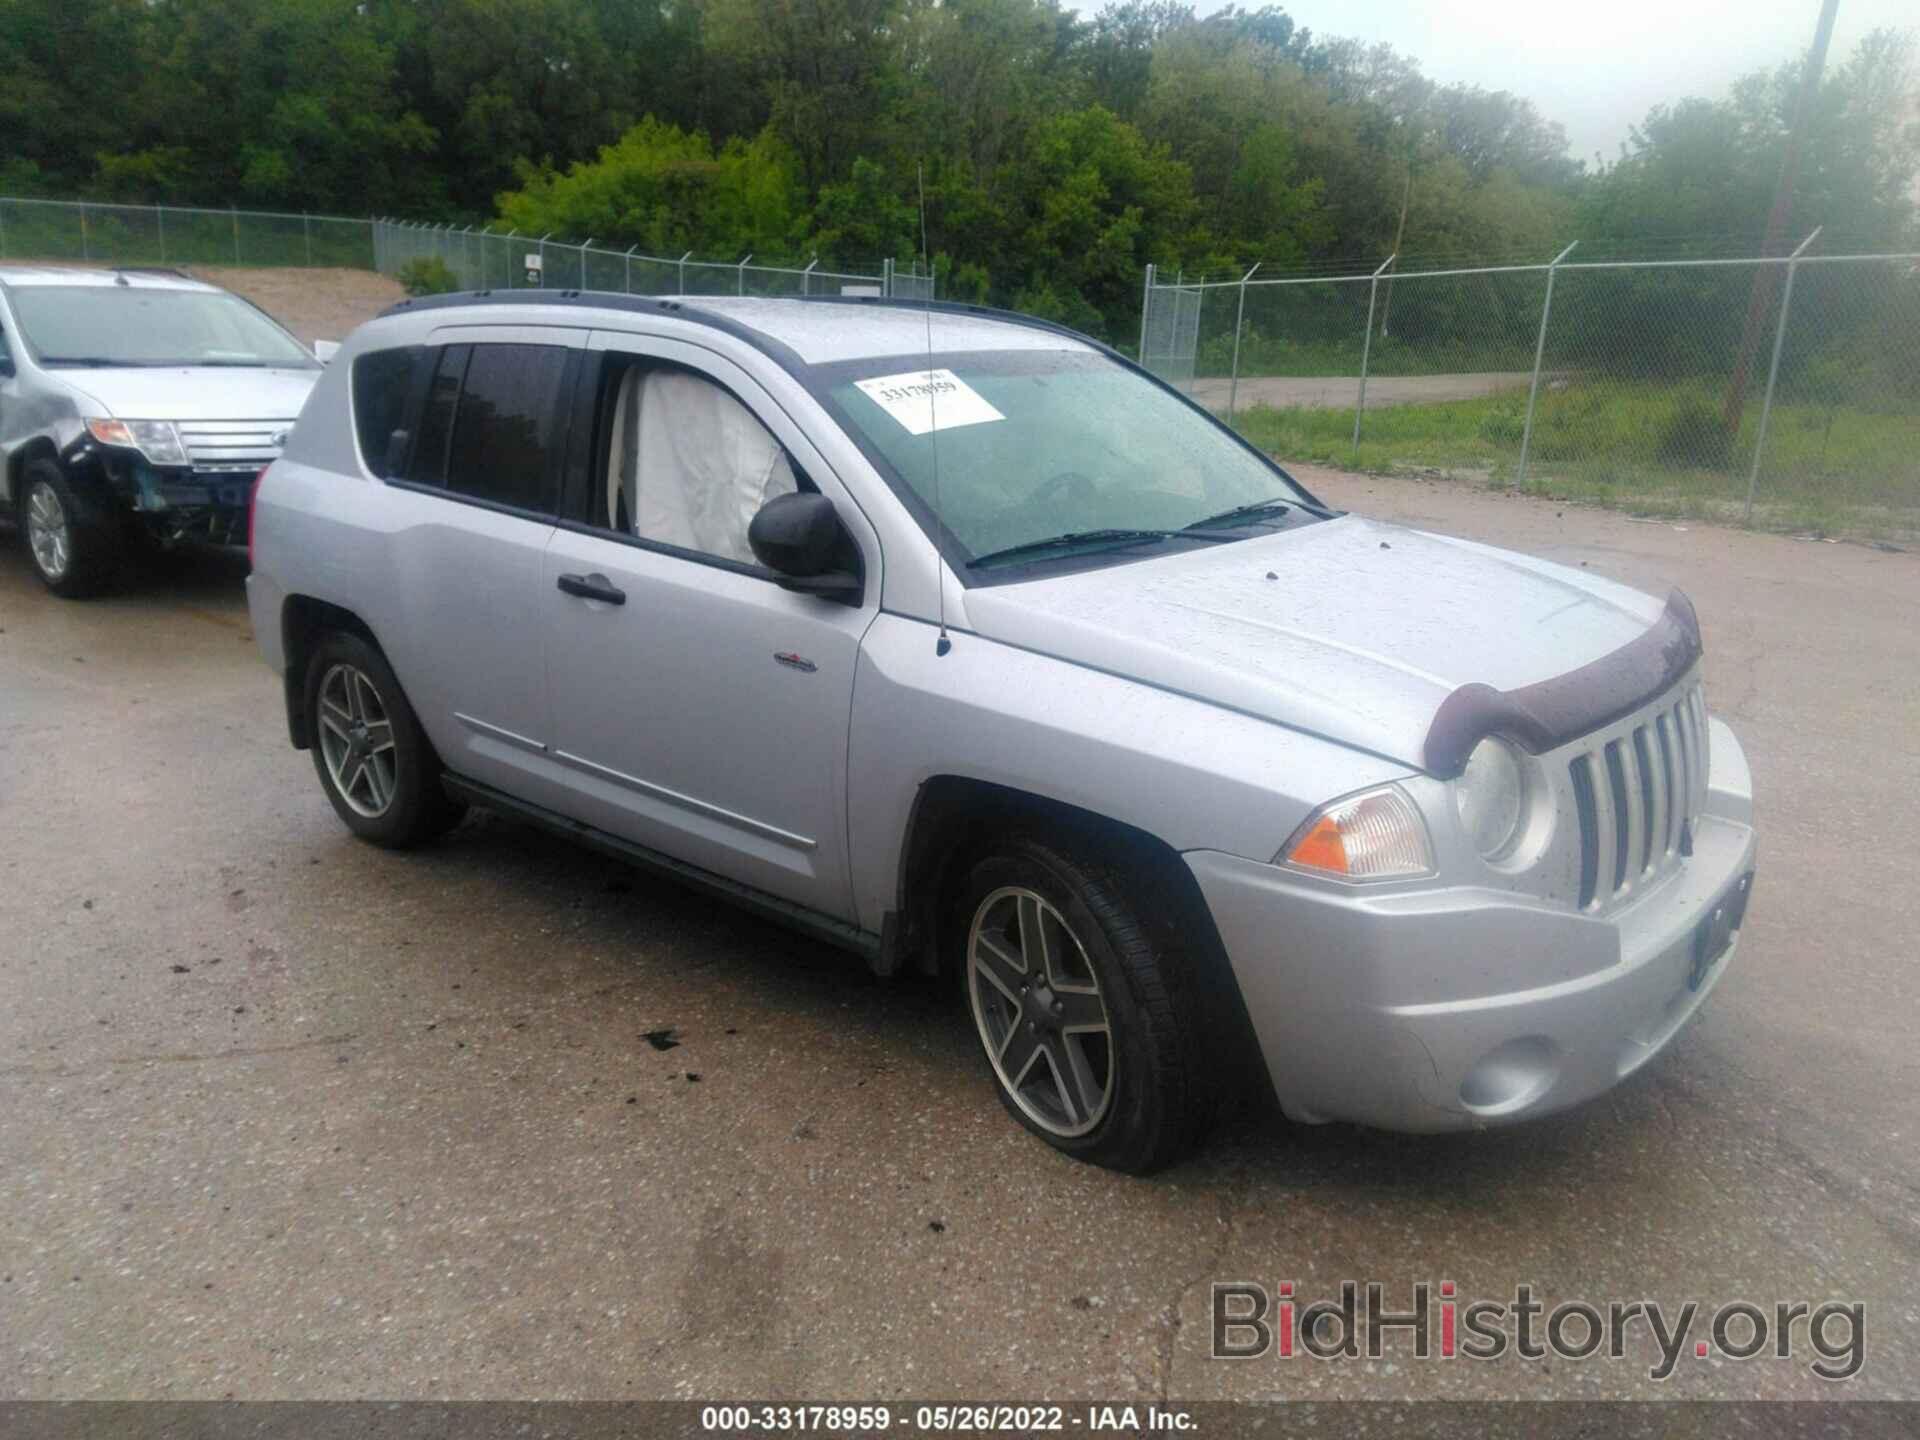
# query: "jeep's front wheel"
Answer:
x=1089 y=1023
x=375 y=762
x=73 y=557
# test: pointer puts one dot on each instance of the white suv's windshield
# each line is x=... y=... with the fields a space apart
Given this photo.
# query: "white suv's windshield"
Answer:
x=86 y=325
x=1037 y=447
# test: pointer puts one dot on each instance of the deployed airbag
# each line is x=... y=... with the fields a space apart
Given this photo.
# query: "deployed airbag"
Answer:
x=694 y=465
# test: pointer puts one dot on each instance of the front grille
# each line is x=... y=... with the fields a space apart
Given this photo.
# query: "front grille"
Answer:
x=232 y=444
x=1637 y=793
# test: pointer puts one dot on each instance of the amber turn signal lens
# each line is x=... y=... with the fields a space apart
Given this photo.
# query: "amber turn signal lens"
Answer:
x=1321 y=848
x=1375 y=835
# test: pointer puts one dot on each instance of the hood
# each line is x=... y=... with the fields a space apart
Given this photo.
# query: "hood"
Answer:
x=1351 y=629
x=192 y=392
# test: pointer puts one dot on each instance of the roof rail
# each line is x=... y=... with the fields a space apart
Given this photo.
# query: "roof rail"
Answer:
x=690 y=307
x=177 y=273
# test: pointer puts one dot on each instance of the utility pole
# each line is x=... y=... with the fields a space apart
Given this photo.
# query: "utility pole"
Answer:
x=1768 y=279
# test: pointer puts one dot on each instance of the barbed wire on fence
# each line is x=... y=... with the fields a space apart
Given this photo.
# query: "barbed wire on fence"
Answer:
x=1780 y=388
x=477 y=258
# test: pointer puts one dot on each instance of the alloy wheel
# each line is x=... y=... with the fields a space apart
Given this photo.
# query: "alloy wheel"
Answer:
x=356 y=741
x=49 y=533
x=1037 y=1005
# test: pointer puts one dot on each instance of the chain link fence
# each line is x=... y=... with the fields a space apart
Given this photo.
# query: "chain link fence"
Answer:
x=484 y=259
x=178 y=235
x=1781 y=391
x=471 y=258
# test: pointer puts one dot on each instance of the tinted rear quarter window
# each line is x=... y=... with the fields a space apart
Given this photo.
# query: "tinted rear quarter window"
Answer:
x=381 y=379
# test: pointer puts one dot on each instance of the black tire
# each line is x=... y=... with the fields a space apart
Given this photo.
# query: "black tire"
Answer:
x=392 y=797
x=1158 y=1102
x=88 y=553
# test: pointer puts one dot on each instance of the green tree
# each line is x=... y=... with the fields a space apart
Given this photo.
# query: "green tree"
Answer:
x=669 y=191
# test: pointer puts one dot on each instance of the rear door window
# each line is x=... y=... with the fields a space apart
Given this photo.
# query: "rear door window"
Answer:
x=502 y=448
x=429 y=463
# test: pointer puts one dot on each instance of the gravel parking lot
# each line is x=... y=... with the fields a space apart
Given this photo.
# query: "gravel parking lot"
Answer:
x=285 y=1116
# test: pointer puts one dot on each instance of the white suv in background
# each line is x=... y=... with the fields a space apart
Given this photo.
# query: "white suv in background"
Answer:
x=135 y=403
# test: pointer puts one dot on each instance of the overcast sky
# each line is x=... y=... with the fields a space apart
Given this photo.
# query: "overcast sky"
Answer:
x=1594 y=68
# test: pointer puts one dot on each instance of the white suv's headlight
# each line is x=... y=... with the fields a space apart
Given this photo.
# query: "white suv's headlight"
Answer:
x=155 y=439
x=1491 y=796
x=1375 y=835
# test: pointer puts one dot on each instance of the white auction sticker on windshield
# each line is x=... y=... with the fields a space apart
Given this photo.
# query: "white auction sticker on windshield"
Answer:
x=923 y=400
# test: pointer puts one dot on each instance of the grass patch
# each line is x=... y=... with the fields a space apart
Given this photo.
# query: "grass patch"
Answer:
x=1651 y=448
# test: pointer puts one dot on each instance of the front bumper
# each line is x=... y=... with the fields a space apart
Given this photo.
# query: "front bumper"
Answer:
x=1443 y=1009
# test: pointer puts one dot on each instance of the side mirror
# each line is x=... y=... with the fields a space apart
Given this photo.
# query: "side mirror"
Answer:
x=799 y=538
x=325 y=350
x=396 y=457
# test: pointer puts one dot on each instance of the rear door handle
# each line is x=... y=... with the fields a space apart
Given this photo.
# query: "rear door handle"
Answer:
x=593 y=587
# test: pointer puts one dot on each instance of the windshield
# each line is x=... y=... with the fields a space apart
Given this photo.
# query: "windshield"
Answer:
x=136 y=325
x=1039 y=445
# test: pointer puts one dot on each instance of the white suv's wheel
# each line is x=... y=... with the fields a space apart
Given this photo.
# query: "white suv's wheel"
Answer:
x=72 y=557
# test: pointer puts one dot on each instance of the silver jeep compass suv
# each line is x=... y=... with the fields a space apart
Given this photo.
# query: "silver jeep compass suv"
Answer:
x=134 y=404
x=955 y=639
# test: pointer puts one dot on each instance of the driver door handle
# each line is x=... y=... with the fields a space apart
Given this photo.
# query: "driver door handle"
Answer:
x=593 y=587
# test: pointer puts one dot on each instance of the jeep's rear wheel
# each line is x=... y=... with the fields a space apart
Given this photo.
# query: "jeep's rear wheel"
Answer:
x=73 y=557
x=1089 y=1024
x=374 y=761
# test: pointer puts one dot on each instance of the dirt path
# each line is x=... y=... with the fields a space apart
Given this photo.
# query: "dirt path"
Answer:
x=315 y=304
x=1340 y=392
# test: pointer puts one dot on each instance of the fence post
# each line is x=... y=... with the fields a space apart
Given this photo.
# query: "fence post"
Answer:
x=583 y=261
x=3 y=233
x=806 y=277
x=236 y=234
x=683 y=272
x=630 y=250
x=306 y=229
x=741 y=287
x=1239 y=320
x=1539 y=352
x=86 y=251
x=1366 y=345
x=1146 y=306
x=160 y=219
x=1773 y=372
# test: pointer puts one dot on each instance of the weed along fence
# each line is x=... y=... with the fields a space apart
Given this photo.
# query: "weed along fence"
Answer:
x=1785 y=391
x=440 y=256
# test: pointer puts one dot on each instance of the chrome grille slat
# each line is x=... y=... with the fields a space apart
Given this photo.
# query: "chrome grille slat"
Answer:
x=1606 y=878
x=1660 y=782
x=1635 y=848
x=1699 y=705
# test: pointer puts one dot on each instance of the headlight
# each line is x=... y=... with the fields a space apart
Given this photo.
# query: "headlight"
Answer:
x=1491 y=796
x=155 y=439
x=1375 y=835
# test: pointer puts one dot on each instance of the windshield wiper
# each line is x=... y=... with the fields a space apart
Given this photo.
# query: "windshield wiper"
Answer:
x=96 y=362
x=1275 y=506
x=1073 y=539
